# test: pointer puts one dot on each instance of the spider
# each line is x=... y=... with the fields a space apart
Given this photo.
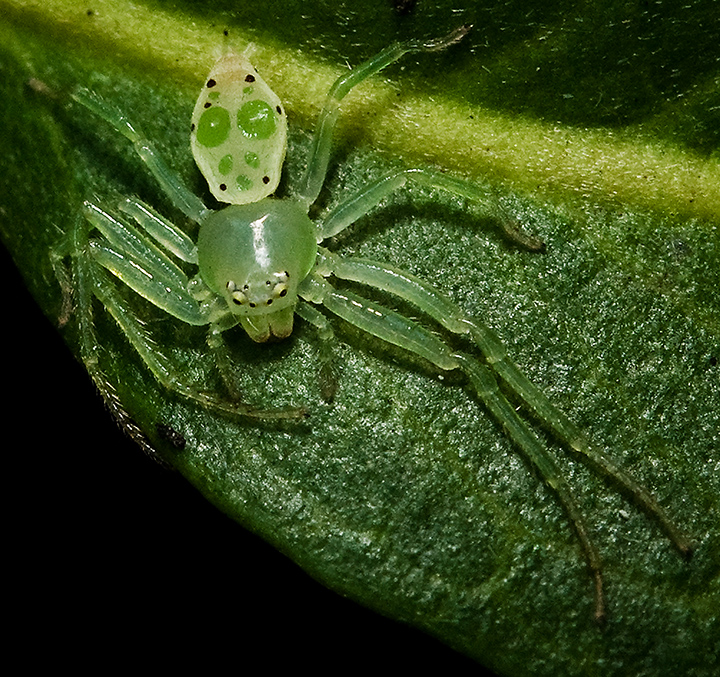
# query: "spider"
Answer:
x=260 y=262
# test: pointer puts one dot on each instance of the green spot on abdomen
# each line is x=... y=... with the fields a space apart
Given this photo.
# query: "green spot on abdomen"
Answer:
x=252 y=160
x=226 y=164
x=213 y=127
x=256 y=119
x=243 y=182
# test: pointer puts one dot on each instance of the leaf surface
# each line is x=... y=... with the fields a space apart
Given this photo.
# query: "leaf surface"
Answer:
x=599 y=130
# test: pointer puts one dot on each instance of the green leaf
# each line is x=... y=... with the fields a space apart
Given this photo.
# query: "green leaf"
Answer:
x=600 y=128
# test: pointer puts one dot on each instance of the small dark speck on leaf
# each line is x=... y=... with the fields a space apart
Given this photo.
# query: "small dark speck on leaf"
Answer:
x=168 y=433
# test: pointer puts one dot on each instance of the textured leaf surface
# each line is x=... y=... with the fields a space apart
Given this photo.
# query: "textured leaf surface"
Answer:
x=600 y=130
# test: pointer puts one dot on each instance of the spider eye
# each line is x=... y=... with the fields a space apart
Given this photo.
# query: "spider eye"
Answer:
x=237 y=296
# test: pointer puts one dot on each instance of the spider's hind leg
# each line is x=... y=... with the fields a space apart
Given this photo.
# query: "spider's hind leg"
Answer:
x=185 y=200
x=322 y=139
x=369 y=197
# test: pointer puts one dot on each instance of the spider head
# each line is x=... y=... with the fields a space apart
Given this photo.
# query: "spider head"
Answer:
x=255 y=256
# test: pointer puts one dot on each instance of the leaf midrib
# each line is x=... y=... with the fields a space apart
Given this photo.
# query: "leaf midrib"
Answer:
x=532 y=155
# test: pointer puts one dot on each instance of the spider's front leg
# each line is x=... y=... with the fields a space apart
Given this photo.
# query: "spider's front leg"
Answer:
x=440 y=308
x=409 y=335
x=131 y=256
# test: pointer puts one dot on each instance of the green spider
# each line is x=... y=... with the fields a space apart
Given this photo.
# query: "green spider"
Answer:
x=260 y=263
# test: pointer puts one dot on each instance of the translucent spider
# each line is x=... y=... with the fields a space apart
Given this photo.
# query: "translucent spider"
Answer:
x=260 y=262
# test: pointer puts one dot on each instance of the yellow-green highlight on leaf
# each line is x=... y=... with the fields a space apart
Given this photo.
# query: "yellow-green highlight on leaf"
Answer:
x=532 y=155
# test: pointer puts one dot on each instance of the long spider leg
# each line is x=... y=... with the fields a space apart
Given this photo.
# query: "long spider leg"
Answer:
x=181 y=197
x=443 y=310
x=487 y=389
x=322 y=140
x=398 y=330
x=352 y=209
x=567 y=431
